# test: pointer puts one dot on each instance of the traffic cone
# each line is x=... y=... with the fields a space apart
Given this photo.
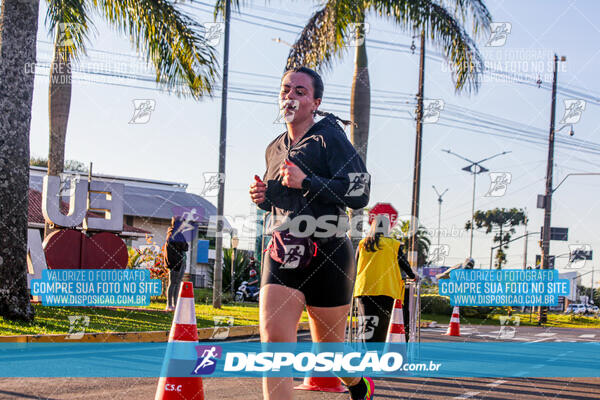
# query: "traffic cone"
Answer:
x=396 y=332
x=324 y=384
x=183 y=329
x=454 y=327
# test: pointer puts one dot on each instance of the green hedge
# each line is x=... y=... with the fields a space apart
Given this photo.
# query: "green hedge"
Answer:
x=436 y=304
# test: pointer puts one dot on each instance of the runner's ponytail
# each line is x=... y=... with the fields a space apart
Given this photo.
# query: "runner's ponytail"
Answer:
x=328 y=114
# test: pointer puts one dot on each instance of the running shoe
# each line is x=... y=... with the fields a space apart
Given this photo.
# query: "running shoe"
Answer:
x=370 y=389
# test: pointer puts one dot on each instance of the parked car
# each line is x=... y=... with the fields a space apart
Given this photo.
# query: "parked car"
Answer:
x=592 y=309
x=576 y=309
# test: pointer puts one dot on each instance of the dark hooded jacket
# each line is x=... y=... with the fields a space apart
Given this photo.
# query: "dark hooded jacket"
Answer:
x=337 y=173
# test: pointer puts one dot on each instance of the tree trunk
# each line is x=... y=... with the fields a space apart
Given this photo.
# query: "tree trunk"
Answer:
x=59 y=103
x=18 y=31
x=360 y=104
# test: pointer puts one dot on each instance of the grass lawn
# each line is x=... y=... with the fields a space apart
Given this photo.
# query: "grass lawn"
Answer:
x=55 y=320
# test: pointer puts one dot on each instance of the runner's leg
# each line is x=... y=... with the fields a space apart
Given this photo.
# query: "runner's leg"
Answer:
x=280 y=310
x=328 y=324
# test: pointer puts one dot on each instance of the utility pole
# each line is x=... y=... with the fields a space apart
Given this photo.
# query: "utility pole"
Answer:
x=414 y=224
x=439 y=212
x=543 y=310
x=218 y=273
x=526 y=238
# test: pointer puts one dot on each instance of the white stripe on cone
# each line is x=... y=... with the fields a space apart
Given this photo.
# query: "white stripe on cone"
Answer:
x=185 y=312
x=396 y=320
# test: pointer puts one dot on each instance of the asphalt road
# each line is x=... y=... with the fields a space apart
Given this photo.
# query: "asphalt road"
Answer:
x=389 y=388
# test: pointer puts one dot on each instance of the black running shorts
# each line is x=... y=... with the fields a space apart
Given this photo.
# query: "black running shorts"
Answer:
x=328 y=281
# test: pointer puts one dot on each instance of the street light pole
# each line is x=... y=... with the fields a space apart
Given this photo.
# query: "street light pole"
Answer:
x=474 y=168
x=413 y=228
x=439 y=212
x=218 y=272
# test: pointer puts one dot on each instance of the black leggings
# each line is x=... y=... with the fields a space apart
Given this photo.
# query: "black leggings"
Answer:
x=375 y=312
x=328 y=281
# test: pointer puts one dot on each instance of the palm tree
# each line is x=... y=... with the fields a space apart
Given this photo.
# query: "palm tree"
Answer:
x=18 y=32
x=171 y=40
x=333 y=27
x=401 y=231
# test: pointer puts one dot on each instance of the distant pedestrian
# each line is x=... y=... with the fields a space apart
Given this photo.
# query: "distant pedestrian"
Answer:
x=176 y=247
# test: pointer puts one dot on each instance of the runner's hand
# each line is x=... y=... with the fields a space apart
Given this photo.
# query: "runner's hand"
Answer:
x=292 y=175
x=257 y=192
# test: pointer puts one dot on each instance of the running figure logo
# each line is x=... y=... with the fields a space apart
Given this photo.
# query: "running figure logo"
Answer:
x=142 y=110
x=212 y=182
x=77 y=326
x=432 y=109
x=499 y=33
x=292 y=256
x=499 y=183
x=366 y=326
x=358 y=183
x=573 y=110
x=207 y=359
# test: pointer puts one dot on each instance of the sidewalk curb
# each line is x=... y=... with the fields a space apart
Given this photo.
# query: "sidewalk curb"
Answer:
x=137 y=337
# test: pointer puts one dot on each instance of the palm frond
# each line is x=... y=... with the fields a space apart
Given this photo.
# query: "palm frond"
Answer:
x=184 y=61
x=68 y=22
x=444 y=31
x=326 y=35
x=473 y=11
x=220 y=7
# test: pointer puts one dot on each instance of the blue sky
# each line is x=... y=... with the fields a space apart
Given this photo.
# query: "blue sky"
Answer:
x=180 y=141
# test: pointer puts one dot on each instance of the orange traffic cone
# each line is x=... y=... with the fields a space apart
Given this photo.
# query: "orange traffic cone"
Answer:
x=454 y=327
x=396 y=332
x=183 y=329
x=323 y=384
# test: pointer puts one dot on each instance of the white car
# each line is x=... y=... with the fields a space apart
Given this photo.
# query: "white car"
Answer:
x=576 y=309
x=592 y=309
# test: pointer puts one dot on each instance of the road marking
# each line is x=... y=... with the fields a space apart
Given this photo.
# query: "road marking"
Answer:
x=546 y=334
x=588 y=336
x=496 y=383
x=539 y=340
x=467 y=395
